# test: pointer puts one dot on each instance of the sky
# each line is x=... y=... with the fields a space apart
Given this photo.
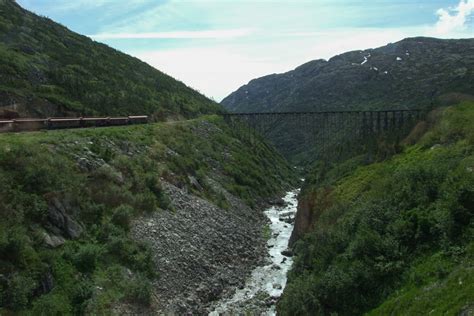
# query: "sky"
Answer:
x=216 y=46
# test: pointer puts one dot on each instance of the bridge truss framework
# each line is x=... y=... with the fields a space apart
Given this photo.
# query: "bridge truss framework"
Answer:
x=318 y=129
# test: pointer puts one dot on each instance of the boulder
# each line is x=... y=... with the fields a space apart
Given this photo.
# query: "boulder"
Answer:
x=195 y=183
x=61 y=220
x=287 y=218
x=276 y=267
x=277 y=202
x=53 y=241
x=287 y=214
x=46 y=283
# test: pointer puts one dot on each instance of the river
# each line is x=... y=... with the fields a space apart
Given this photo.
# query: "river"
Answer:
x=267 y=282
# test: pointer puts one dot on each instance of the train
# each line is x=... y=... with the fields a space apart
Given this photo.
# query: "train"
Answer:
x=51 y=123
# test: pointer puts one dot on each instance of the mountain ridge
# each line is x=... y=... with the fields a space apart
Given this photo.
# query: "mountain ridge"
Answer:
x=410 y=73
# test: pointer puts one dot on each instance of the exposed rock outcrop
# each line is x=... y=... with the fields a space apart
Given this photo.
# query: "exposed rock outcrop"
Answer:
x=310 y=207
x=60 y=220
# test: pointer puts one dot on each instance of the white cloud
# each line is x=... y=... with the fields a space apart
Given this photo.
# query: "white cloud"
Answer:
x=161 y=16
x=454 y=19
x=217 y=70
x=214 y=71
x=277 y=37
x=215 y=34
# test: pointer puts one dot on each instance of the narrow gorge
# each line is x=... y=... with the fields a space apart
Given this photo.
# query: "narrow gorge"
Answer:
x=124 y=191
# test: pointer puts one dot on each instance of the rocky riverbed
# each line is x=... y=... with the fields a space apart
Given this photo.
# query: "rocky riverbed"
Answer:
x=202 y=252
x=263 y=288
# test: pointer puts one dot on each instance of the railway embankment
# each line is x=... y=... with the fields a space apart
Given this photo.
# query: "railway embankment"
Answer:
x=160 y=217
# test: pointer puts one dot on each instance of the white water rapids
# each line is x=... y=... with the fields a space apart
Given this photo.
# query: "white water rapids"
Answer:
x=266 y=282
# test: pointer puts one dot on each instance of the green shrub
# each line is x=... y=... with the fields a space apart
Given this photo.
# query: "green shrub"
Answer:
x=122 y=216
x=86 y=257
x=155 y=187
x=52 y=304
x=20 y=291
x=80 y=295
x=146 y=202
x=139 y=290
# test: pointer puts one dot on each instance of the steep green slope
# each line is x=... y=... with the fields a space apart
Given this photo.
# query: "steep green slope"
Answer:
x=68 y=197
x=396 y=234
x=45 y=69
x=411 y=73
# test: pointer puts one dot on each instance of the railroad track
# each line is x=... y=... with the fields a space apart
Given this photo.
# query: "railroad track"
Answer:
x=34 y=124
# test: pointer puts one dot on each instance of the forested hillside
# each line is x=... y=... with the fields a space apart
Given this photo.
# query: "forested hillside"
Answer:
x=412 y=73
x=47 y=70
x=390 y=237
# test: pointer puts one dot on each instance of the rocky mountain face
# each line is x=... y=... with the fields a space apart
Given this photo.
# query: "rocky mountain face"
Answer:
x=412 y=73
x=47 y=70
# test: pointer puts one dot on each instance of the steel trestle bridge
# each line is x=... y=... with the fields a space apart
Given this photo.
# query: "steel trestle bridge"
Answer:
x=321 y=127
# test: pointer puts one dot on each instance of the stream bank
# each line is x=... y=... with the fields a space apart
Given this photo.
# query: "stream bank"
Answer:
x=266 y=283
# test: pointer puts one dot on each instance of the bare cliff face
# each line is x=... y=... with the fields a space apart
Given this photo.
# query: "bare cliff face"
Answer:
x=310 y=207
x=411 y=73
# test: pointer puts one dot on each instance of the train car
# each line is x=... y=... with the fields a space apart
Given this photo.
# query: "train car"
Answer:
x=32 y=124
x=20 y=125
x=66 y=122
x=118 y=121
x=95 y=121
x=6 y=126
x=138 y=119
